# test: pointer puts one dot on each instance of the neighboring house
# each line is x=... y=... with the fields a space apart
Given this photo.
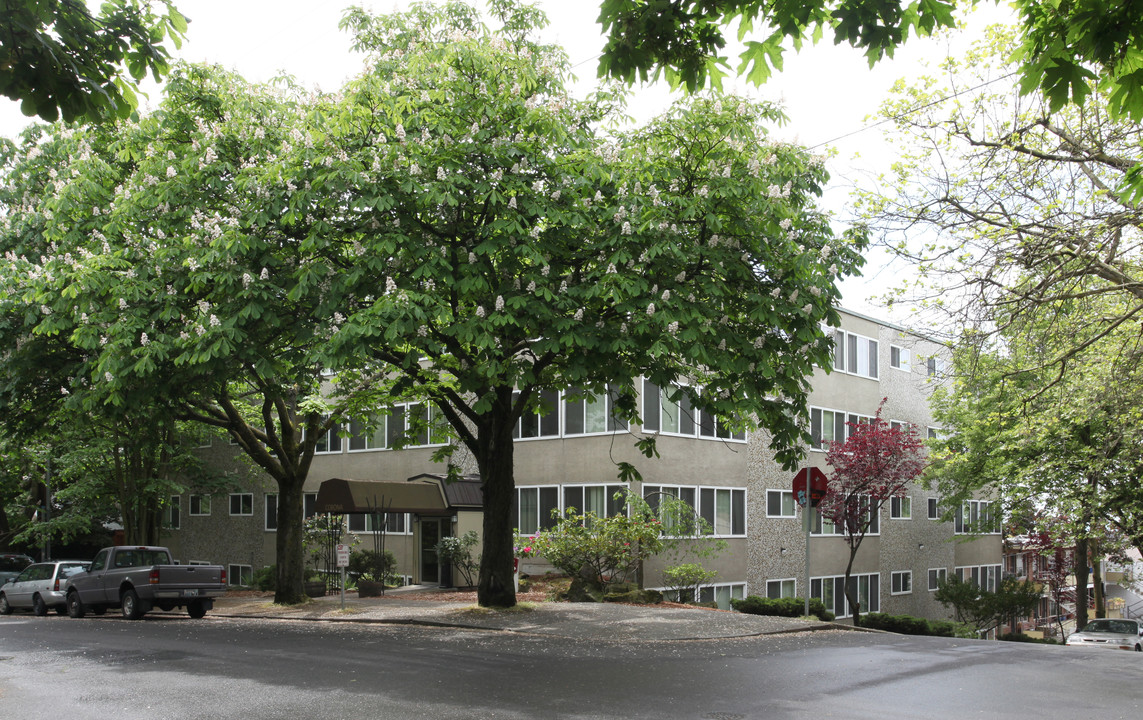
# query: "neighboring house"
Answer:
x=567 y=456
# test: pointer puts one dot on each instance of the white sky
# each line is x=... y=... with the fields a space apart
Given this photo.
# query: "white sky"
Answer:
x=827 y=91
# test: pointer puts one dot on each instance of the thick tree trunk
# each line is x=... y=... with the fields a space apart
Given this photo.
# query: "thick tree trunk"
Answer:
x=1081 y=560
x=1097 y=586
x=851 y=588
x=495 y=459
x=290 y=546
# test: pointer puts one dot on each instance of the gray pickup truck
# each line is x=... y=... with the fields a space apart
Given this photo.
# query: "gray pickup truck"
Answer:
x=137 y=579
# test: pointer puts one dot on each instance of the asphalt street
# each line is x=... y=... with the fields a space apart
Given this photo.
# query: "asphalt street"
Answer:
x=170 y=666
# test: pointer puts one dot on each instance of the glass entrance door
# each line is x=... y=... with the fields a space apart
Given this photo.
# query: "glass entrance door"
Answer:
x=430 y=536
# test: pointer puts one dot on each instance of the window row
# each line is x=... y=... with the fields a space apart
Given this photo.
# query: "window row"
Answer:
x=977 y=517
x=900 y=358
x=538 y=507
x=720 y=593
x=831 y=591
x=854 y=354
x=827 y=426
x=901 y=583
x=407 y=425
x=985 y=577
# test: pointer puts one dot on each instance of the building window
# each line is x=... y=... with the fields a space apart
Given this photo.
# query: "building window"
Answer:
x=933 y=433
x=722 y=594
x=393 y=523
x=934 y=509
x=670 y=410
x=936 y=577
x=985 y=577
x=329 y=441
x=901 y=582
x=199 y=505
x=854 y=354
x=931 y=366
x=534 y=506
x=599 y=500
x=241 y=503
x=544 y=421
x=171 y=514
x=831 y=591
x=899 y=358
x=824 y=526
x=590 y=413
x=723 y=509
x=978 y=517
x=780 y=504
x=901 y=508
x=828 y=426
x=240 y=575
x=309 y=508
x=785 y=588
x=401 y=426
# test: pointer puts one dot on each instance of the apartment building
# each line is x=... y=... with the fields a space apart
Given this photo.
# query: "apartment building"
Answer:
x=567 y=456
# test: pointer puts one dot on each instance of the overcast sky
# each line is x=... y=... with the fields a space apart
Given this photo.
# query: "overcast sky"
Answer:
x=827 y=91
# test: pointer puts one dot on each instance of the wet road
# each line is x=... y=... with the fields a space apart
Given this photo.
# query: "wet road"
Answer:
x=175 y=667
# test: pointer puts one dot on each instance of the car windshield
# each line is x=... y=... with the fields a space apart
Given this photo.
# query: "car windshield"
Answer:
x=1119 y=627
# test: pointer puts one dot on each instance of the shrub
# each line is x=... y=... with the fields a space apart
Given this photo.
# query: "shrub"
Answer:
x=1021 y=637
x=266 y=579
x=685 y=579
x=457 y=551
x=909 y=625
x=371 y=565
x=782 y=607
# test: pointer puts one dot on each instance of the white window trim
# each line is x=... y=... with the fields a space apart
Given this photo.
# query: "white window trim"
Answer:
x=190 y=505
x=904 y=355
x=697 y=420
x=408 y=523
x=845 y=353
x=793 y=514
x=893 y=581
x=902 y=516
x=874 y=579
x=928 y=508
x=857 y=416
x=942 y=573
x=230 y=505
x=782 y=580
x=232 y=577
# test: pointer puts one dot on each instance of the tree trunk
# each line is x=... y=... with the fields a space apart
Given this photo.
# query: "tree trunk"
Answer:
x=289 y=544
x=495 y=460
x=1081 y=561
x=1097 y=586
x=851 y=588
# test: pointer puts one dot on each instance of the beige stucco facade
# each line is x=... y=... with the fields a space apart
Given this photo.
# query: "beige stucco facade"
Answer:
x=736 y=474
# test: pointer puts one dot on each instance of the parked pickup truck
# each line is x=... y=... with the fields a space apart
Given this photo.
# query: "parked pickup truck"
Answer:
x=137 y=579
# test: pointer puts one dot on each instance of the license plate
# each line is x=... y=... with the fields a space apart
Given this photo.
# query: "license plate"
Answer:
x=191 y=592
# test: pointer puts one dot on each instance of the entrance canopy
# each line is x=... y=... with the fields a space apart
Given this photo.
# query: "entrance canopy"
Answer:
x=423 y=494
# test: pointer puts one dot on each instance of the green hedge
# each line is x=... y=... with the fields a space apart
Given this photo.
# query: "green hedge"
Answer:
x=909 y=625
x=1021 y=637
x=782 y=607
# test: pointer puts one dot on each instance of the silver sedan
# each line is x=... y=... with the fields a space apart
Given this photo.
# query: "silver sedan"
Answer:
x=1112 y=633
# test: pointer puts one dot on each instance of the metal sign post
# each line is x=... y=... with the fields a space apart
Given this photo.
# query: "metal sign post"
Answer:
x=809 y=489
x=343 y=563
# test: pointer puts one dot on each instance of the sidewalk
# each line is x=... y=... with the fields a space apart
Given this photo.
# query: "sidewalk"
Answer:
x=586 y=621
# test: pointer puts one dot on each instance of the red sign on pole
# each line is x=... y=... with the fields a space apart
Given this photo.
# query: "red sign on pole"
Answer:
x=809 y=483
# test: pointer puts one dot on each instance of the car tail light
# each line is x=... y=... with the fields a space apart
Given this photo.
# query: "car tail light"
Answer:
x=223 y=580
x=154 y=578
x=56 y=585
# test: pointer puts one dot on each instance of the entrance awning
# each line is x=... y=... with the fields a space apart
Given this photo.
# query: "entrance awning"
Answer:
x=341 y=496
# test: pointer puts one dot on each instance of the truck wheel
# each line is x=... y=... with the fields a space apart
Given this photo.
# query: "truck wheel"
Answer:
x=132 y=608
x=74 y=605
x=196 y=610
x=5 y=608
x=39 y=609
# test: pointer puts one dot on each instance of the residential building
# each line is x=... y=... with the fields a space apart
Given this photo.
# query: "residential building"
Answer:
x=567 y=455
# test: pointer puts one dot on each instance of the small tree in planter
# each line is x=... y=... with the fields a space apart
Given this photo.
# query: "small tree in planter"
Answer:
x=457 y=551
x=323 y=533
x=371 y=570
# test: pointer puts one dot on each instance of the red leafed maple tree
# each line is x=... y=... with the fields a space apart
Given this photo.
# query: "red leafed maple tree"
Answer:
x=876 y=463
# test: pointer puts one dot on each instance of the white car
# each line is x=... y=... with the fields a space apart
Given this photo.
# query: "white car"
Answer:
x=39 y=587
x=1113 y=633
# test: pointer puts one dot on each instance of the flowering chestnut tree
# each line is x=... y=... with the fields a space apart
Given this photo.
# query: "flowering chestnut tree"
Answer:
x=876 y=463
x=141 y=271
x=490 y=238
